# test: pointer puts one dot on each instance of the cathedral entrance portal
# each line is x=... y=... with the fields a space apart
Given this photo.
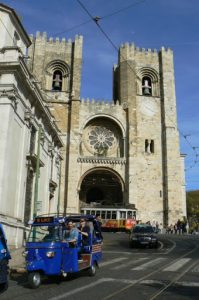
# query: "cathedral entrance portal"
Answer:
x=101 y=188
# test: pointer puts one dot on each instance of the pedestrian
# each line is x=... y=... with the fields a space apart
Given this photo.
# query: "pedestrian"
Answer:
x=157 y=227
x=179 y=226
x=175 y=228
x=98 y=227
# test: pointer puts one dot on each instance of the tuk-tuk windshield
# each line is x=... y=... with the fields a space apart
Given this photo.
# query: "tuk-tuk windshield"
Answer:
x=45 y=234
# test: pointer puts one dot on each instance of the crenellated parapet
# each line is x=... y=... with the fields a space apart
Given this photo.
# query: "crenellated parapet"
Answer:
x=55 y=40
x=129 y=50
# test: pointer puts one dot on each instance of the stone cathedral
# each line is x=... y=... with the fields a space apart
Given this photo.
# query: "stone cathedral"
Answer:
x=123 y=152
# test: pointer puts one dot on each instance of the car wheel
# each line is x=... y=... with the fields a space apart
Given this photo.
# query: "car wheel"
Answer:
x=156 y=245
x=3 y=287
x=131 y=244
x=34 y=279
x=92 y=271
x=4 y=275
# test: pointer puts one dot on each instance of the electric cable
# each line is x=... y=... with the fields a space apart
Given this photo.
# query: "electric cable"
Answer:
x=116 y=48
x=103 y=17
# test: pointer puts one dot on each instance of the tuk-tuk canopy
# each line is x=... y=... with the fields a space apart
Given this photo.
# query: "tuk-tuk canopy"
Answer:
x=47 y=220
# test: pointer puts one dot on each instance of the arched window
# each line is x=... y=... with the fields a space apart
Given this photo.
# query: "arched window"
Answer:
x=57 y=76
x=146 y=86
x=57 y=80
x=147 y=82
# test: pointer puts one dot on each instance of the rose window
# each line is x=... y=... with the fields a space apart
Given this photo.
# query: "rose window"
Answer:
x=101 y=138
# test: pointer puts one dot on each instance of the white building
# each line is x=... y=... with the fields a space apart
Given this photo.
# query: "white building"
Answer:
x=30 y=160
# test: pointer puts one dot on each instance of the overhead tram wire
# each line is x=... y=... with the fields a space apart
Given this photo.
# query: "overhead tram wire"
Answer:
x=96 y=21
x=103 y=17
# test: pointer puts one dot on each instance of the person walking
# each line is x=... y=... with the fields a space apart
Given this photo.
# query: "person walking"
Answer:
x=98 y=227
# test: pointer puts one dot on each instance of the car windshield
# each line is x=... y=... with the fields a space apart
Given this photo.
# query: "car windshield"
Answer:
x=143 y=229
x=45 y=234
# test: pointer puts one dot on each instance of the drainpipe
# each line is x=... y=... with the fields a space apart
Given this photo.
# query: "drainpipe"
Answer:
x=37 y=174
x=59 y=191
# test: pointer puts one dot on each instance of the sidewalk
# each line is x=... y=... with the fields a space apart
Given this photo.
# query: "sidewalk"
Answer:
x=17 y=261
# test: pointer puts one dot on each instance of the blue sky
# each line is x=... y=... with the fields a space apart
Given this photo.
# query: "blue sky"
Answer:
x=149 y=24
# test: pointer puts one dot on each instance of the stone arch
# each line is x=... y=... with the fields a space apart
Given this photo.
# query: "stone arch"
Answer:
x=102 y=136
x=101 y=186
x=104 y=116
x=153 y=75
x=61 y=67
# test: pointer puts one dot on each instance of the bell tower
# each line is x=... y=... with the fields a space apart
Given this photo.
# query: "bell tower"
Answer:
x=56 y=65
x=144 y=83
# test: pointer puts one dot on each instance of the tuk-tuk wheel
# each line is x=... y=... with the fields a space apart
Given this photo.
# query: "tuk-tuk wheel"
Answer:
x=3 y=287
x=34 y=280
x=92 y=270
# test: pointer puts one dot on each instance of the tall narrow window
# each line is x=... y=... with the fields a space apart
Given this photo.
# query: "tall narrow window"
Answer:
x=57 y=81
x=16 y=39
x=32 y=140
x=152 y=150
x=149 y=146
x=146 y=86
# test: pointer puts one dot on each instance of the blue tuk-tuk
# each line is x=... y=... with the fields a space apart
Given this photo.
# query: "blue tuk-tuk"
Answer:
x=4 y=259
x=47 y=254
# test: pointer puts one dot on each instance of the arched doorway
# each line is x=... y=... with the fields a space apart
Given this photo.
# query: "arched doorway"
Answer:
x=101 y=187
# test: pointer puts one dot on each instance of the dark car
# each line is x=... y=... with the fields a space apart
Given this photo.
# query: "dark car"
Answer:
x=143 y=235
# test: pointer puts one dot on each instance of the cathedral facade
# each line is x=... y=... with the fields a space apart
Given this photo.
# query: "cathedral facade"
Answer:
x=123 y=152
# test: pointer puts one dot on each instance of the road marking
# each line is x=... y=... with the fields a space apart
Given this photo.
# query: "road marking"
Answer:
x=171 y=249
x=196 y=269
x=159 y=282
x=177 y=265
x=146 y=265
x=112 y=261
x=178 y=283
x=118 y=252
x=187 y=284
x=129 y=263
x=91 y=285
x=175 y=280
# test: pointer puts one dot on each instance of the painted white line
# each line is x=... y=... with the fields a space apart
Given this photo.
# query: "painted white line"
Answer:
x=196 y=269
x=187 y=284
x=112 y=261
x=91 y=285
x=177 y=265
x=171 y=249
x=161 y=245
x=118 y=252
x=129 y=263
x=146 y=265
x=159 y=282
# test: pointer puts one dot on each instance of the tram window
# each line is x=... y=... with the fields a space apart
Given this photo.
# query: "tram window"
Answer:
x=82 y=211
x=108 y=216
x=129 y=214
x=92 y=212
x=88 y=212
x=98 y=212
x=122 y=215
x=103 y=215
x=114 y=214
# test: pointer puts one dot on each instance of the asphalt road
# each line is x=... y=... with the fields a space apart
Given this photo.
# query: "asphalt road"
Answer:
x=169 y=272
